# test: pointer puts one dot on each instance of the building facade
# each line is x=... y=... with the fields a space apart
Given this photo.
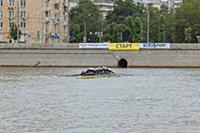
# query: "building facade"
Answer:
x=157 y=3
x=154 y=3
x=40 y=21
x=73 y=3
x=104 y=6
x=172 y=3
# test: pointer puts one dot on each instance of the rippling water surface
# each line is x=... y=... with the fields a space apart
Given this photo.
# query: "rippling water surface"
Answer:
x=46 y=100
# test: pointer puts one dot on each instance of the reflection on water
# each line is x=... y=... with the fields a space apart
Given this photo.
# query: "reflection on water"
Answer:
x=44 y=100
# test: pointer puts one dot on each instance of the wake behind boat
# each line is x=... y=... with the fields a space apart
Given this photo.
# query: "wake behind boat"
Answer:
x=99 y=72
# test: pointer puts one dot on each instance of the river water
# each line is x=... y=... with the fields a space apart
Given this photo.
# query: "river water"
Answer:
x=47 y=100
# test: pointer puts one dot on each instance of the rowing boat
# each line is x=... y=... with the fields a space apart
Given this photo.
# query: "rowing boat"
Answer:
x=95 y=76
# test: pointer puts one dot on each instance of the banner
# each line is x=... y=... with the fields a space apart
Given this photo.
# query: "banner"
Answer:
x=162 y=45
x=93 y=45
x=124 y=46
x=155 y=45
x=147 y=45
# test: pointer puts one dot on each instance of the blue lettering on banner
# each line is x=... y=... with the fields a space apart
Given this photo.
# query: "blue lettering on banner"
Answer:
x=155 y=45
x=148 y=45
x=93 y=45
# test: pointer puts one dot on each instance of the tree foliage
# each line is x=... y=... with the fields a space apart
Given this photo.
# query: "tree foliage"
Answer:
x=13 y=32
x=188 y=21
x=86 y=12
x=128 y=22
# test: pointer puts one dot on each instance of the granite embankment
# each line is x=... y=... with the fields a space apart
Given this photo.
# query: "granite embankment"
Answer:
x=69 y=55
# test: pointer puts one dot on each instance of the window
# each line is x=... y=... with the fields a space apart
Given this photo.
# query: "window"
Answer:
x=11 y=14
x=1 y=14
x=57 y=16
x=47 y=3
x=11 y=3
x=23 y=14
x=23 y=24
x=11 y=24
x=1 y=25
x=23 y=3
x=1 y=2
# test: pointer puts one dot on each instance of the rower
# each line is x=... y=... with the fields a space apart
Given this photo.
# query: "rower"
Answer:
x=90 y=71
x=83 y=73
x=109 y=70
x=96 y=71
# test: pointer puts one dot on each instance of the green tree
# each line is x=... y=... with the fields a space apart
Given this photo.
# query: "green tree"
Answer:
x=154 y=24
x=85 y=15
x=188 y=21
x=188 y=34
x=138 y=32
x=121 y=10
x=135 y=28
x=13 y=32
x=127 y=21
x=110 y=32
x=162 y=24
x=121 y=28
x=76 y=32
x=170 y=27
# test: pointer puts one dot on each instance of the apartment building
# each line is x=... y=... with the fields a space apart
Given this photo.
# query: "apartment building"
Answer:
x=42 y=21
x=154 y=3
x=56 y=21
x=172 y=3
x=157 y=3
x=73 y=3
x=104 y=6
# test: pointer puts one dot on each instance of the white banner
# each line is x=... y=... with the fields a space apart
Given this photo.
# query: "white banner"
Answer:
x=155 y=45
x=162 y=45
x=93 y=45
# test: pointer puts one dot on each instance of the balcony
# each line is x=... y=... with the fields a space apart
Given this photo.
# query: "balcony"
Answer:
x=56 y=21
x=11 y=7
x=177 y=1
x=111 y=4
x=65 y=23
x=11 y=18
x=47 y=19
x=24 y=18
x=105 y=9
x=48 y=8
x=65 y=3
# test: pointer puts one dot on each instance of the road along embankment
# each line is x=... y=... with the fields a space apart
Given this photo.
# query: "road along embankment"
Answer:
x=70 y=55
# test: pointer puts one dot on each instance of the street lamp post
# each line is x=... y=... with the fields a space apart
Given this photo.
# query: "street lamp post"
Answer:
x=68 y=23
x=101 y=33
x=85 y=30
x=18 y=17
x=147 y=23
x=85 y=27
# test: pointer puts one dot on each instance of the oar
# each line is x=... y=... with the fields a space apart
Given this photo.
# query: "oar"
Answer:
x=70 y=75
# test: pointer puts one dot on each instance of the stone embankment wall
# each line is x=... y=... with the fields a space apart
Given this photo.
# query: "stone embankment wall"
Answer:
x=69 y=55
